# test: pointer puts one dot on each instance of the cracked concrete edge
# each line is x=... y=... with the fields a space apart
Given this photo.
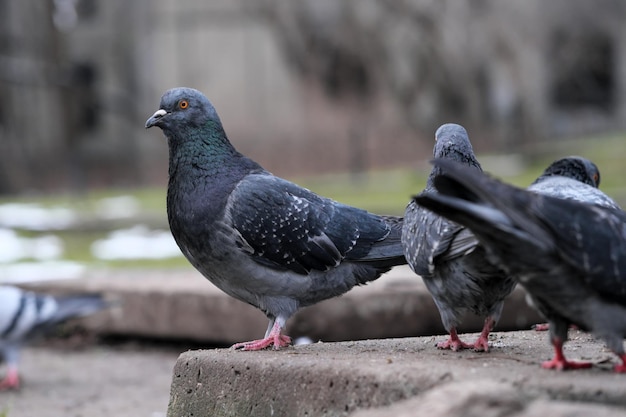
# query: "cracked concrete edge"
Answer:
x=485 y=397
x=403 y=377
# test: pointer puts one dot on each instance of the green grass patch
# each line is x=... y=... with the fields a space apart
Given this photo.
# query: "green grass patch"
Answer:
x=384 y=192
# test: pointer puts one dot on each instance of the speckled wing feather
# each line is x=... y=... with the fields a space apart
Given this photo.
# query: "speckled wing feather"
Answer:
x=440 y=239
x=284 y=226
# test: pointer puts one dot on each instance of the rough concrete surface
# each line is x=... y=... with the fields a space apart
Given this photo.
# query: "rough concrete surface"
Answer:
x=399 y=377
x=92 y=381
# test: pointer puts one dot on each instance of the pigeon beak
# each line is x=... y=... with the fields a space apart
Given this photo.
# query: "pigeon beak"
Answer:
x=156 y=117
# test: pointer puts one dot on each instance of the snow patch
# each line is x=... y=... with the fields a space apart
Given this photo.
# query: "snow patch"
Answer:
x=138 y=242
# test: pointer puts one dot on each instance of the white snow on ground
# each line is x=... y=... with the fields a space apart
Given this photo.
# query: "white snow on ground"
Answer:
x=138 y=242
x=118 y=207
x=39 y=271
x=35 y=217
x=14 y=247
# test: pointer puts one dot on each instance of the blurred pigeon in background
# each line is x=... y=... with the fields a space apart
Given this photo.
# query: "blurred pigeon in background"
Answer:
x=448 y=257
x=25 y=314
x=260 y=238
x=568 y=255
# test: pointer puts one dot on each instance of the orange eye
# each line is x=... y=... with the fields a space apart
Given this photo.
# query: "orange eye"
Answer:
x=183 y=104
x=596 y=178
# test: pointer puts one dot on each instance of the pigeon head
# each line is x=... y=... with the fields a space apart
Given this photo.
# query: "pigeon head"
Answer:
x=452 y=142
x=575 y=167
x=182 y=109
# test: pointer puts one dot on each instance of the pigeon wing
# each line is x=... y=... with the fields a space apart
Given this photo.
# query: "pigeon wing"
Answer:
x=593 y=239
x=432 y=238
x=284 y=226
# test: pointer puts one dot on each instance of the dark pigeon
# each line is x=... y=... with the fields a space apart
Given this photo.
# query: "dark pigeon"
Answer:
x=447 y=255
x=573 y=178
x=260 y=238
x=570 y=256
x=25 y=314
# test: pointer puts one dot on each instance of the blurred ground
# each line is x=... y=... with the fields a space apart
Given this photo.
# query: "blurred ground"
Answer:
x=93 y=380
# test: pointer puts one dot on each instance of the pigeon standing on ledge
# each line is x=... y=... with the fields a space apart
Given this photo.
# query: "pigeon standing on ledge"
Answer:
x=570 y=256
x=25 y=314
x=259 y=238
x=572 y=178
x=448 y=257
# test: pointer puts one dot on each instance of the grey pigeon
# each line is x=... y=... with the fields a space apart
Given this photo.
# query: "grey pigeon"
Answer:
x=26 y=314
x=447 y=255
x=259 y=238
x=570 y=256
x=573 y=178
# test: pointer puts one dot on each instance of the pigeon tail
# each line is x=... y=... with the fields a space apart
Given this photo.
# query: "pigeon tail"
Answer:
x=73 y=306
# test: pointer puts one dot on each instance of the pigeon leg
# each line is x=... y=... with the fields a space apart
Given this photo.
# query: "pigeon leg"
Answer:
x=274 y=337
x=559 y=362
x=453 y=342
x=482 y=343
x=11 y=380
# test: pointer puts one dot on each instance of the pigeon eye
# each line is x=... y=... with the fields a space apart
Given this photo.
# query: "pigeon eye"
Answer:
x=596 y=178
x=183 y=104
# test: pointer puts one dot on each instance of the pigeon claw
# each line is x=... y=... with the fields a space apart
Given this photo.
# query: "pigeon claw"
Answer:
x=277 y=341
x=562 y=364
x=481 y=344
x=541 y=327
x=11 y=381
x=621 y=368
x=454 y=343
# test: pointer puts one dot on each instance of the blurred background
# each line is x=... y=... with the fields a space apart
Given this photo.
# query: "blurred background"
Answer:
x=343 y=97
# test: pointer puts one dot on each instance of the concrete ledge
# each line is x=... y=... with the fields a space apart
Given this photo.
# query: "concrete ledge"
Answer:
x=398 y=377
x=181 y=304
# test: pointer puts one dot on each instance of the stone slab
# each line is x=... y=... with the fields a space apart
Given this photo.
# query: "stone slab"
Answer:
x=398 y=377
x=181 y=304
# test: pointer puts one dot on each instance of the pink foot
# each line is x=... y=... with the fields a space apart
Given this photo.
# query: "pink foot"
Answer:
x=564 y=364
x=10 y=381
x=621 y=368
x=453 y=342
x=542 y=327
x=482 y=343
x=560 y=363
x=275 y=338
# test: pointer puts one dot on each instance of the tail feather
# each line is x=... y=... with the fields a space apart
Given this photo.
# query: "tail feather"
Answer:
x=388 y=252
x=74 y=306
x=484 y=204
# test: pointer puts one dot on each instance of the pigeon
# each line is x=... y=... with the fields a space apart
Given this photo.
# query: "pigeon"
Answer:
x=448 y=257
x=569 y=256
x=573 y=178
x=259 y=238
x=26 y=314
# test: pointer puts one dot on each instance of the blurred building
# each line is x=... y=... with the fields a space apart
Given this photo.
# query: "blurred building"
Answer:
x=302 y=85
